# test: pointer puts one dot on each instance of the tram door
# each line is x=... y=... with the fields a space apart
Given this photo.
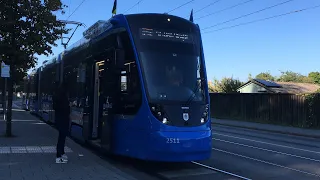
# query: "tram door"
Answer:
x=108 y=98
x=103 y=94
x=106 y=91
x=92 y=124
x=96 y=102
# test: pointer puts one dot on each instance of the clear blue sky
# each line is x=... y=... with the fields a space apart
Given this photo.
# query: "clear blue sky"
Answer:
x=287 y=43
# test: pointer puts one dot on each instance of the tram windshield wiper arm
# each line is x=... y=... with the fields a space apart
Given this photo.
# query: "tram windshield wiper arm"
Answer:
x=193 y=95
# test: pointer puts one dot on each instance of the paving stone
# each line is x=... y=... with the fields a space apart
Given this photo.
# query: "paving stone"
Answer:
x=30 y=155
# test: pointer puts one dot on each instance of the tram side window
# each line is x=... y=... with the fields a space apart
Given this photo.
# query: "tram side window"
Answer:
x=71 y=79
x=36 y=87
x=43 y=83
x=52 y=81
x=130 y=83
x=81 y=86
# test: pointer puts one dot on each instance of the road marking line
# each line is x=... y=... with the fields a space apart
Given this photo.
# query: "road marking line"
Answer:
x=290 y=147
x=266 y=162
x=287 y=154
x=219 y=170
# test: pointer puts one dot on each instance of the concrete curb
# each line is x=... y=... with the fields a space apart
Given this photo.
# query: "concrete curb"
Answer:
x=268 y=130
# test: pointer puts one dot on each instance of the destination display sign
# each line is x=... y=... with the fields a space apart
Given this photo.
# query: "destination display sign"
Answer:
x=149 y=33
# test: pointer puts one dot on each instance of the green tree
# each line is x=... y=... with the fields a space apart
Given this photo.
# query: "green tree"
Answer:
x=210 y=86
x=226 y=85
x=265 y=76
x=249 y=76
x=289 y=76
x=314 y=77
x=27 y=28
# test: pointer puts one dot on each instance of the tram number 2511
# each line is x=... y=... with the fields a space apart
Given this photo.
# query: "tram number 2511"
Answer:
x=173 y=140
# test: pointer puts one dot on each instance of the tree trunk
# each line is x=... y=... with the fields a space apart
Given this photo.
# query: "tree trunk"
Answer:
x=10 y=81
x=9 y=108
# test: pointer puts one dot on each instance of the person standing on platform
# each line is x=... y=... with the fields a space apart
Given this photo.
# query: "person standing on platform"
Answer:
x=62 y=119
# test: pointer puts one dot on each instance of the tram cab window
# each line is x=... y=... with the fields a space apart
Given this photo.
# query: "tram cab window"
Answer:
x=81 y=85
x=130 y=95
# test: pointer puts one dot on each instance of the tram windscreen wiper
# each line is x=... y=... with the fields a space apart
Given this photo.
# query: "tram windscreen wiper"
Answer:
x=195 y=90
x=200 y=78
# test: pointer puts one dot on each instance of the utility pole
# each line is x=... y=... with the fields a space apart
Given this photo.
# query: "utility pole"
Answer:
x=5 y=73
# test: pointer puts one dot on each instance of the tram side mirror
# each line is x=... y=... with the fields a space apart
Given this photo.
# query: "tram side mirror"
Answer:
x=119 y=58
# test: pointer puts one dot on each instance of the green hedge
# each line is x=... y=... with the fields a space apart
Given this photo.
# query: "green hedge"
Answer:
x=313 y=106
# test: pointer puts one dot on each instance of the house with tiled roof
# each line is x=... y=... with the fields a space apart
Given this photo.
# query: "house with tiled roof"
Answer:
x=264 y=86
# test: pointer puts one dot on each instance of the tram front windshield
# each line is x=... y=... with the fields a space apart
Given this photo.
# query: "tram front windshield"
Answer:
x=170 y=59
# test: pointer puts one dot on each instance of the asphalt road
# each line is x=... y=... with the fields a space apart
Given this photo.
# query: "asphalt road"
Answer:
x=239 y=153
x=249 y=154
x=262 y=155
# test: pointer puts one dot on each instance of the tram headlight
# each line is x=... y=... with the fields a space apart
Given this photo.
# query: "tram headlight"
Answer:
x=164 y=120
x=158 y=113
x=205 y=114
x=156 y=110
x=153 y=108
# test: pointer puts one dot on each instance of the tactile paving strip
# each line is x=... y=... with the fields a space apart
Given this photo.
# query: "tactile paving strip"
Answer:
x=34 y=149
x=48 y=149
x=30 y=149
x=5 y=150
x=19 y=149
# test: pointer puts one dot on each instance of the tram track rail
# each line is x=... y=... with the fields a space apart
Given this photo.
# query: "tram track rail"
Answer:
x=150 y=170
x=267 y=162
x=147 y=167
x=141 y=166
x=213 y=169
x=221 y=171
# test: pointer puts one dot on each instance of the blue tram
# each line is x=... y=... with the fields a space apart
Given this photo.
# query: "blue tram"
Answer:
x=28 y=91
x=137 y=87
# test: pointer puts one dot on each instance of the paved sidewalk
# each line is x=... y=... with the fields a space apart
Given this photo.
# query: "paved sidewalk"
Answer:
x=30 y=155
x=268 y=127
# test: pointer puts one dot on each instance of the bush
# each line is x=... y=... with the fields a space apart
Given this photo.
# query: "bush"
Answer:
x=313 y=117
x=226 y=85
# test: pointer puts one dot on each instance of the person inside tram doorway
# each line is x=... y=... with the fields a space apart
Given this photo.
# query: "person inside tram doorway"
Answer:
x=62 y=118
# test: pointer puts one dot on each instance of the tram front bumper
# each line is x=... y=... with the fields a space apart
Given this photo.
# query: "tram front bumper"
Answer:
x=181 y=146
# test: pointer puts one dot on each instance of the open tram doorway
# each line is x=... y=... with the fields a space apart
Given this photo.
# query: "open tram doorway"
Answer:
x=101 y=122
x=106 y=87
x=97 y=90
